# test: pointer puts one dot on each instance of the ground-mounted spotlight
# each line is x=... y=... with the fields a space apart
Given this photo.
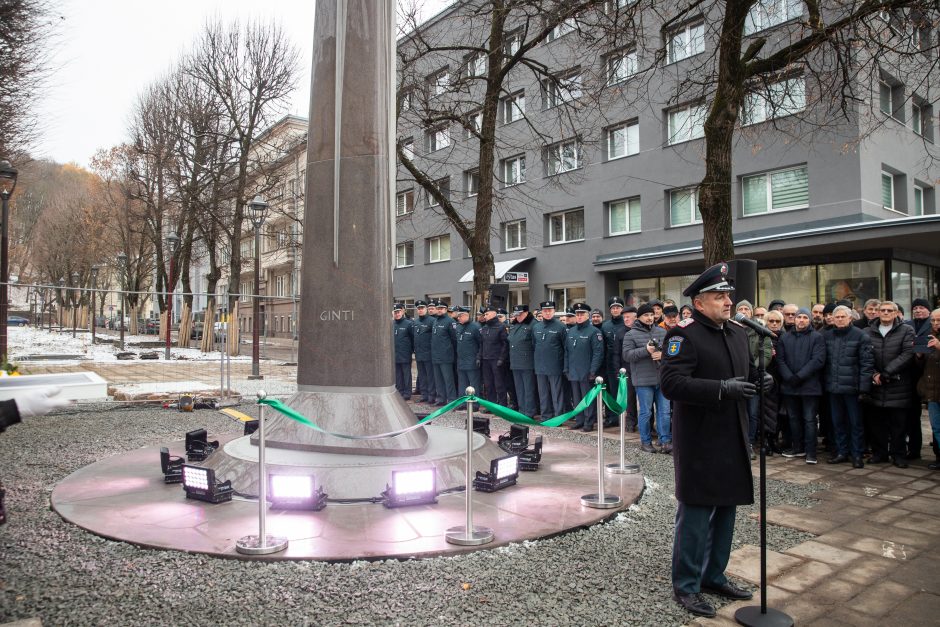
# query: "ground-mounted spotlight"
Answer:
x=411 y=487
x=503 y=473
x=250 y=427
x=516 y=441
x=171 y=465
x=200 y=484
x=295 y=491
x=481 y=424
x=529 y=459
x=198 y=446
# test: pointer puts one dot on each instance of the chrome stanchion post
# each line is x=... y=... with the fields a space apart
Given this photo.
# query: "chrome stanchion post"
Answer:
x=469 y=535
x=623 y=468
x=261 y=544
x=600 y=500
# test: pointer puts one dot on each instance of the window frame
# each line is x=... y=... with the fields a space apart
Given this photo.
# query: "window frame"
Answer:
x=914 y=210
x=438 y=139
x=890 y=177
x=441 y=187
x=514 y=102
x=562 y=28
x=788 y=6
x=404 y=195
x=768 y=186
x=686 y=30
x=438 y=239
x=473 y=120
x=404 y=246
x=520 y=235
x=439 y=81
x=560 y=89
x=628 y=205
x=771 y=110
x=620 y=57
x=505 y=171
x=693 y=206
x=471 y=182
x=626 y=127
x=671 y=138
x=554 y=155
x=564 y=215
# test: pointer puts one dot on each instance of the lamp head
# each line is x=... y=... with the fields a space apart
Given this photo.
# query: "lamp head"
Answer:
x=257 y=210
x=8 y=176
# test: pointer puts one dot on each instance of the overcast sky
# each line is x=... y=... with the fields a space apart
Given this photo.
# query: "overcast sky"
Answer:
x=110 y=50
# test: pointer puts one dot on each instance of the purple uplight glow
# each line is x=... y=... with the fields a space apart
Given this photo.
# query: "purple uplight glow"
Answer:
x=291 y=486
x=409 y=482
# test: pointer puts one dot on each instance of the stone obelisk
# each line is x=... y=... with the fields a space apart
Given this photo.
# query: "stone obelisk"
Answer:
x=345 y=371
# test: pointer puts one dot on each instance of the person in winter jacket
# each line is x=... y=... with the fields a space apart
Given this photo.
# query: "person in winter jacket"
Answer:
x=522 y=359
x=801 y=355
x=929 y=385
x=892 y=343
x=642 y=349
x=755 y=346
x=404 y=348
x=920 y=322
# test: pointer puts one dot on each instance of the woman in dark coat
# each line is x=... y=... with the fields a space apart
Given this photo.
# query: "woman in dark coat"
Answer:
x=928 y=387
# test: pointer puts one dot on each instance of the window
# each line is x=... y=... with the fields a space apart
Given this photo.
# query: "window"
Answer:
x=623 y=140
x=775 y=191
x=565 y=295
x=916 y=119
x=567 y=226
x=686 y=124
x=471 y=182
x=512 y=108
x=775 y=101
x=246 y=290
x=281 y=284
x=514 y=235
x=246 y=249
x=562 y=28
x=623 y=216
x=476 y=64
x=405 y=255
x=405 y=202
x=614 y=5
x=512 y=43
x=407 y=100
x=686 y=42
x=887 y=190
x=621 y=66
x=563 y=157
x=513 y=170
x=439 y=82
x=769 y=13
x=891 y=98
x=474 y=124
x=443 y=186
x=561 y=89
x=438 y=139
x=408 y=148
x=439 y=249
x=683 y=207
x=918 y=201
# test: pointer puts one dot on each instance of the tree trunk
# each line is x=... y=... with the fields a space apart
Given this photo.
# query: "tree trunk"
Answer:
x=208 y=324
x=233 y=333
x=186 y=326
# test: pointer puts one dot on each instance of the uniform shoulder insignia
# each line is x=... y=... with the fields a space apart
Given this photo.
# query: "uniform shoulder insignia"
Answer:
x=600 y=337
x=686 y=322
x=674 y=346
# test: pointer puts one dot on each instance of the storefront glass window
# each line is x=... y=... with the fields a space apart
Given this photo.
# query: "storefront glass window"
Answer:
x=857 y=282
x=793 y=285
x=673 y=286
x=638 y=291
x=920 y=283
x=901 y=285
x=566 y=295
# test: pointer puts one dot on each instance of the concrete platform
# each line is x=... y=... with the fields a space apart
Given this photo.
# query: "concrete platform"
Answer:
x=124 y=498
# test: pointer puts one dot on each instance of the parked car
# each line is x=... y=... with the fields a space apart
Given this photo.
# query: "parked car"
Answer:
x=17 y=321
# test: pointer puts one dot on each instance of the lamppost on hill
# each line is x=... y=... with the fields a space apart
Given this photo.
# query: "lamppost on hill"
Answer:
x=76 y=297
x=122 y=263
x=172 y=242
x=61 y=296
x=257 y=210
x=8 y=176
x=94 y=285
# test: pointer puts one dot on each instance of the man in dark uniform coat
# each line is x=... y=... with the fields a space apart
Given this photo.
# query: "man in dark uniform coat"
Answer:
x=548 y=336
x=705 y=373
x=613 y=331
x=584 y=358
x=521 y=358
x=468 y=351
x=404 y=347
x=494 y=353
x=444 y=354
x=421 y=332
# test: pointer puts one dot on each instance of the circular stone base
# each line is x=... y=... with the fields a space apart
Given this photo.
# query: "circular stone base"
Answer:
x=124 y=498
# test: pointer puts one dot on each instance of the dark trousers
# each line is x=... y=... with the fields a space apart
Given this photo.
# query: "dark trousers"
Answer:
x=633 y=412
x=426 y=381
x=701 y=547
x=403 y=379
x=524 y=381
x=509 y=380
x=493 y=382
x=579 y=390
x=888 y=433
x=848 y=430
x=467 y=378
x=444 y=386
x=802 y=411
x=612 y=379
x=551 y=395
x=915 y=437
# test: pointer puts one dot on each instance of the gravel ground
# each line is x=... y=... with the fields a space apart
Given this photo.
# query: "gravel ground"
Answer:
x=612 y=573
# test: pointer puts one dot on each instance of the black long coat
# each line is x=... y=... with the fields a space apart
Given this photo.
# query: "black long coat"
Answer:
x=894 y=354
x=709 y=434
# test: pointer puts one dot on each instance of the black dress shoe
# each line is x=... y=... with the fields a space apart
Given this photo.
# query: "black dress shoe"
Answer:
x=857 y=462
x=838 y=459
x=900 y=462
x=876 y=459
x=729 y=591
x=694 y=603
x=934 y=465
x=576 y=426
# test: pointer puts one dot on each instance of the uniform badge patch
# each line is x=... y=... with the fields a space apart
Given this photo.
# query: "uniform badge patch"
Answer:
x=675 y=344
x=686 y=322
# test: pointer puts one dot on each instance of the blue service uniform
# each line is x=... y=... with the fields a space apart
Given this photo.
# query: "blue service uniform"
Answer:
x=468 y=356
x=548 y=339
x=443 y=357
x=522 y=363
x=613 y=330
x=404 y=347
x=421 y=332
x=584 y=356
x=494 y=353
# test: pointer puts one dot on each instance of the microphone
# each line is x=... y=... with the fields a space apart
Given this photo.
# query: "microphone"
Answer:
x=759 y=329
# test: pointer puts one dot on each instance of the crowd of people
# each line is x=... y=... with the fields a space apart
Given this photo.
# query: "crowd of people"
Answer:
x=857 y=379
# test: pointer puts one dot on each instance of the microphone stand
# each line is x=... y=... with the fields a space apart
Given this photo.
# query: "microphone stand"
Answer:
x=752 y=615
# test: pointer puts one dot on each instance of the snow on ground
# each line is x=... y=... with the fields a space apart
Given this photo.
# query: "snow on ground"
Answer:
x=163 y=387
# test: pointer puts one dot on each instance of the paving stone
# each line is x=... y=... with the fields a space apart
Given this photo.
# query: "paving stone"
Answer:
x=881 y=598
x=801 y=518
x=846 y=616
x=824 y=553
x=896 y=494
x=922 y=484
x=802 y=477
x=913 y=539
x=922 y=573
x=745 y=563
x=887 y=515
x=922 y=505
x=836 y=590
x=883 y=548
x=867 y=571
x=804 y=577
x=915 y=521
x=775 y=598
x=914 y=610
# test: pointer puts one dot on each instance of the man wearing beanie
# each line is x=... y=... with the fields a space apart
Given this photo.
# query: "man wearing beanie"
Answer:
x=801 y=356
x=643 y=350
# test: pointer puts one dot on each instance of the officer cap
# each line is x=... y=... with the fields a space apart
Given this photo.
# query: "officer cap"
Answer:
x=518 y=309
x=629 y=309
x=614 y=300
x=670 y=310
x=481 y=311
x=421 y=303
x=398 y=307
x=715 y=279
x=502 y=312
x=547 y=304
x=598 y=312
x=451 y=309
x=580 y=307
x=462 y=310
x=643 y=309
x=492 y=307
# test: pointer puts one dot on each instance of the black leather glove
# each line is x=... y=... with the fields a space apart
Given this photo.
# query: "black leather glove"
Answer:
x=768 y=382
x=736 y=389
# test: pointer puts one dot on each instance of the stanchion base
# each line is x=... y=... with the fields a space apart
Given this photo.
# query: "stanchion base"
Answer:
x=602 y=501
x=752 y=617
x=476 y=536
x=626 y=469
x=255 y=377
x=250 y=545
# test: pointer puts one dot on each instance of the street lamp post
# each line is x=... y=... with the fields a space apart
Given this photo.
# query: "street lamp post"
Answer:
x=75 y=300
x=173 y=242
x=122 y=262
x=61 y=303
x=8 y=176
x=257 y=209
x=33 y=301
x=94 y=285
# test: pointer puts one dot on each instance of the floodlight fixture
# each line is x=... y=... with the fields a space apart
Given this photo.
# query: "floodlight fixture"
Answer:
x=250 y=426
x=198 y=447
x=171 y=465
x=504 y=471
x=411 y=487
x=481 y=424
x=295 y=491
x=516 y=441
x=529 y=459
x=200 y=484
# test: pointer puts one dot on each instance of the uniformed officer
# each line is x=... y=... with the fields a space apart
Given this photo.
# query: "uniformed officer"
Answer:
x=443 y=354
x=548 y=339
x=584 y=357
x=468 y=351
x=494 y=353
x=421 y=332
x=522 y=358
x=705 y=371
x=404 y=348
x=613 y=331
x=513 y=401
